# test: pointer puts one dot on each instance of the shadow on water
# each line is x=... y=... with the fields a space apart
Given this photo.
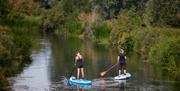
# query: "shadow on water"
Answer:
x=53 y=59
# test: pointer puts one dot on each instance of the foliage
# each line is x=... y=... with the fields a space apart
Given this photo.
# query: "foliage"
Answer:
x=4 y=7
x=164 y=12
x=23 y=7
x=166 y=51
x=3 y=80
x=76 y=6
x=6 y=48
x=18 y=21
x=11 y=56
x=101 y=31
x=63 y=16
x=74 y=27
x=122 y=27
x=53 y=18
x=110 y=9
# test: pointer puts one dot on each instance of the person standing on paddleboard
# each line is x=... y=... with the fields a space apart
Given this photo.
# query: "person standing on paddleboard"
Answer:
x=79 y=65
x=122 y=61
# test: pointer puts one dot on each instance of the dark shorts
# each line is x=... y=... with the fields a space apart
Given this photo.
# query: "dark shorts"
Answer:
x=79 y=65
x=122 y=66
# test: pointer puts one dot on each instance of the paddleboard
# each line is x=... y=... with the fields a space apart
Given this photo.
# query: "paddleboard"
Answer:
x=123 y=76
x=81 y=82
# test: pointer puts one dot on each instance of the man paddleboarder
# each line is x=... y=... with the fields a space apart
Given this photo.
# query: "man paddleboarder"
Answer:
x=122 y=61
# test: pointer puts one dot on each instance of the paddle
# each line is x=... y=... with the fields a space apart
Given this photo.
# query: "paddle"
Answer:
x=104 y=72
x=71 y=72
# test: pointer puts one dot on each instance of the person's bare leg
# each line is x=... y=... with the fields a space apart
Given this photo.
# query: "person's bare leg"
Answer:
x=78 y=72
x=119 y=72
x=124 y=71
x=82 y=72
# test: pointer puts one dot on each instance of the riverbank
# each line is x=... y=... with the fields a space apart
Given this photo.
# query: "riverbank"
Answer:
x=16 y=39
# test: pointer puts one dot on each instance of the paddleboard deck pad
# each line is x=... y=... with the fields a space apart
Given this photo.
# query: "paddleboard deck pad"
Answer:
x=81 y=82
x=123 y=76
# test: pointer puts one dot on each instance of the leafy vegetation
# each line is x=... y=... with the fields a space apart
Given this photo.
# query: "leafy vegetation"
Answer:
x=166 y=50
x=122 y=35
x=163 y=12
x=18 y=22
x=101 y=32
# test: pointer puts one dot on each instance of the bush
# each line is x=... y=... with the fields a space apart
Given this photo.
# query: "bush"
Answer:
x=123 y=28
x=6 y=48
x=101 y=31
x=74 y=27
x=167 y=50
x=140 y=38
x=15 y=44
x=163 y=12
x=3 y=80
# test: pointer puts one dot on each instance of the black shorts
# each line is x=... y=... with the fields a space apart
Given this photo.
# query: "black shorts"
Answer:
x=122 y=66
x=79 y=65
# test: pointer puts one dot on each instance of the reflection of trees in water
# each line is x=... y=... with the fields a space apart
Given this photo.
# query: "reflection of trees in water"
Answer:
x=88 y=50
x=111 y=84
x=63 y=54
x=79 y=88
x=122 y=85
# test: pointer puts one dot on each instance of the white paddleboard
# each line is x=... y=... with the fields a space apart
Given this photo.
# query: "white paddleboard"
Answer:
x=123 y=76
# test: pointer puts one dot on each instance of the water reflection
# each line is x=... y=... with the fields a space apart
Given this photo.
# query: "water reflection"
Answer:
x=34 y=77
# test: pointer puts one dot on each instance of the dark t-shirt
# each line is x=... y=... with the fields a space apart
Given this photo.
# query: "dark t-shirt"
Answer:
x=122 y=57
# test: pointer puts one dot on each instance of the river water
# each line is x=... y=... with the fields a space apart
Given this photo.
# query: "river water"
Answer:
x=53 y=59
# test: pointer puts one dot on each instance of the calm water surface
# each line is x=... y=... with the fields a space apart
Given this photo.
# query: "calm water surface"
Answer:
x=53 y=58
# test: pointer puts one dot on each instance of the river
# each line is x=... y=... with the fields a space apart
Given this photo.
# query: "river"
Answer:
x=53 y=58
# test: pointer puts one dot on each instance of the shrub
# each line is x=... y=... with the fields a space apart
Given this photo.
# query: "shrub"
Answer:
x=123 y=28
x=167 y=50
x=74 y=27
x=101 y=31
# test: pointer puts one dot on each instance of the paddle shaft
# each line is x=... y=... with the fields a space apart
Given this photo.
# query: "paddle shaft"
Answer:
x=71 y=72
x=111 y=67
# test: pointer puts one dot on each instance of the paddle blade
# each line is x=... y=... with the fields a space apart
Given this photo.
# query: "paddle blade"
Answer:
x=103 y=73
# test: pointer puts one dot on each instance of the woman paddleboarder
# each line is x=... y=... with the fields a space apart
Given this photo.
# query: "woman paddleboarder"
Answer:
x=79 y=65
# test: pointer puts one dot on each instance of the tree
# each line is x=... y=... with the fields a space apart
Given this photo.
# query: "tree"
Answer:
x=4 y=7
x=23 y=7
x=164 y=12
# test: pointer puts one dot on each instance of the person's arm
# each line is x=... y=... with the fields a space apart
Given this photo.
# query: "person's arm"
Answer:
x=125 y=56
x=75 y=60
